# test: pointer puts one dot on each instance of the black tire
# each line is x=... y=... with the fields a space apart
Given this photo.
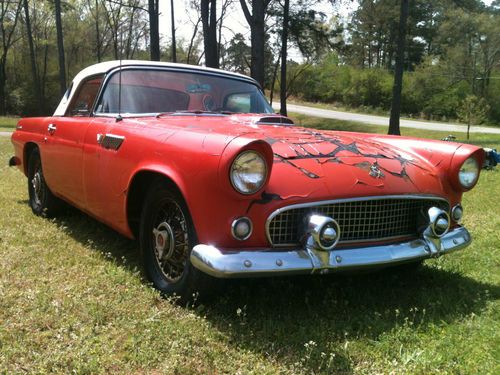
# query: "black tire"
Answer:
x=41 y=200
x=166 y=263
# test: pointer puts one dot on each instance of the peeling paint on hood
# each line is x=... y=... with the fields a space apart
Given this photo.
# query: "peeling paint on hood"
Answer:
x=327 y=162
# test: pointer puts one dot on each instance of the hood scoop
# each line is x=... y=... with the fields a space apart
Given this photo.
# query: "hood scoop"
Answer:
x=274 y=120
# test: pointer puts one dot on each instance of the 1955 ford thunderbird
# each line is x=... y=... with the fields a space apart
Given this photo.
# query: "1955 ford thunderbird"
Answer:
x=194 y=163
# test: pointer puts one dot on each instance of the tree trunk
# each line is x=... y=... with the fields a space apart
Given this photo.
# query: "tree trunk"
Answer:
x=209 y=22
x=154 y=31
x=257 y=31
x=3 y=80
x=174 y=47
x=128 y=47
x=43 y=78
x=60 y=48
x=97 y=32
x=398 y=73
x=258 y=40
x=284 y=42
x=220 y=54
x=34 y=74
x=275 y=73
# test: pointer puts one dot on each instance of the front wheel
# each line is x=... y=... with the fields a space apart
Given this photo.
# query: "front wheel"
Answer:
x=167 y=237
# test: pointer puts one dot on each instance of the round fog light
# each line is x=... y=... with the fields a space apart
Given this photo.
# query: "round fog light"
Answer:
x=328 y=236
x=439 y=221
x=457 y=212
x=324 y=231
x=441 y=226
x=241 y=228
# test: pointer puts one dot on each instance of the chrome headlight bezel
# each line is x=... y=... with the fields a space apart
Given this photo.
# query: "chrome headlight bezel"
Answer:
x=236 y=168
x=468 y=173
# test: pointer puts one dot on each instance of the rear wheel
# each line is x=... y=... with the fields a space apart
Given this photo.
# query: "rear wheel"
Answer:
x=41 y=200
x=167 y=237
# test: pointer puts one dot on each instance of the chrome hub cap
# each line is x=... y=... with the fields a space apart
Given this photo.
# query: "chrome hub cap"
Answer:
x=164 y=241
x=170 y=240
x=36 y=182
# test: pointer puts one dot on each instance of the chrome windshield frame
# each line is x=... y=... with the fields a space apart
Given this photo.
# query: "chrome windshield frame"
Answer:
x=112 y=72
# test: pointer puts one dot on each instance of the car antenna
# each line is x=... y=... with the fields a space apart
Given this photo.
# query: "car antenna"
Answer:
x=119 y=116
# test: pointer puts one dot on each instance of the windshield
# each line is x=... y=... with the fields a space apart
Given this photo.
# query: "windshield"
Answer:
x=147 y=91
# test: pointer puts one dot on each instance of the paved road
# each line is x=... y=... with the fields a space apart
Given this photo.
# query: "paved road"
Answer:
x=380 y=120
x=5 y=134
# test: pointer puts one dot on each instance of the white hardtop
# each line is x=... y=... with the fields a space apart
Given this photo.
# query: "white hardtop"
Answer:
x=105 y=67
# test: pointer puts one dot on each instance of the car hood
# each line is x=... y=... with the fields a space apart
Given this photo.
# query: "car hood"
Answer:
x=348 y=164
x=325 y=164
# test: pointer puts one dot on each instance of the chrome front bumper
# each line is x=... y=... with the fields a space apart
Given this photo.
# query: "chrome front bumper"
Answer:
x=272 y=262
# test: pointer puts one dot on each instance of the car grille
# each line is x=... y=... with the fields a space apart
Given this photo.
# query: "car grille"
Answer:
x=371 y=219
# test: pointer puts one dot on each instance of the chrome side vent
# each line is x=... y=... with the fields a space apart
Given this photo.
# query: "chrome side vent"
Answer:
x=110 y=141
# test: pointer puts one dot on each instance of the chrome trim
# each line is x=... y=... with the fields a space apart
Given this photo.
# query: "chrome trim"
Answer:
x=270 y=262
x=110 y=141
x=453 y=210
x=233 y=225
x=274 y=123
x=344 y=200
x=231 y=171
x=109 y=74
x=316 y=225
x=478 y=170
x=51 y=129
x=126 y=115
x=435 y=215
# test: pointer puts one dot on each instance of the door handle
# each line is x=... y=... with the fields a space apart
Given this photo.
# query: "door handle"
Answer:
x=52 y=128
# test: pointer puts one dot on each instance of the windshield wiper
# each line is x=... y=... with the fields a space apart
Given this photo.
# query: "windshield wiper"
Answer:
x=195 y=112
x=158 y=115
x=224 y=112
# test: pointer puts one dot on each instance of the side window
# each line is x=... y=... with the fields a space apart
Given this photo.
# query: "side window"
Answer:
x=85 y=97
x=240 y=103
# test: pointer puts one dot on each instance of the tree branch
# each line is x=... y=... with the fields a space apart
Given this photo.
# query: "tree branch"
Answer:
x=246 y=12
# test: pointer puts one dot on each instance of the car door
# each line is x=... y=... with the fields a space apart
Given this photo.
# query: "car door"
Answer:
x=62 y=157
x=62 y=153
x=104 y=166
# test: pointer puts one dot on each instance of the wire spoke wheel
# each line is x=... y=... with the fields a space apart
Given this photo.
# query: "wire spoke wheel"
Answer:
x=167 y=235
x=170 y=239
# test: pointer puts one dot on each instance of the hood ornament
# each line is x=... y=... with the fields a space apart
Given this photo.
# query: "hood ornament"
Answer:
x=375 y=171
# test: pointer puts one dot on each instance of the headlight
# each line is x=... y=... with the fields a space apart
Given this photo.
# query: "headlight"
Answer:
x=468 y=173
x=248 y=172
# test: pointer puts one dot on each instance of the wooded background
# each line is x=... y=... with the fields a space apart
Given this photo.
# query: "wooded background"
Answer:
x=451 y=57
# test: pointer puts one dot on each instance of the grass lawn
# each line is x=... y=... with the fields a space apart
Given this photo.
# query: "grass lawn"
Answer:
x=73 y=298
x=371 y=111
x=8 y=123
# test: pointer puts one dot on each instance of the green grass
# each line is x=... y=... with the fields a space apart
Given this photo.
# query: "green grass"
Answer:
x=370 y=111
x=73 y=298
x=479 y=139
x=8 y=123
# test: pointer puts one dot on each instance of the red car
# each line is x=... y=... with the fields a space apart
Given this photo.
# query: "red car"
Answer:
x=194 y=163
